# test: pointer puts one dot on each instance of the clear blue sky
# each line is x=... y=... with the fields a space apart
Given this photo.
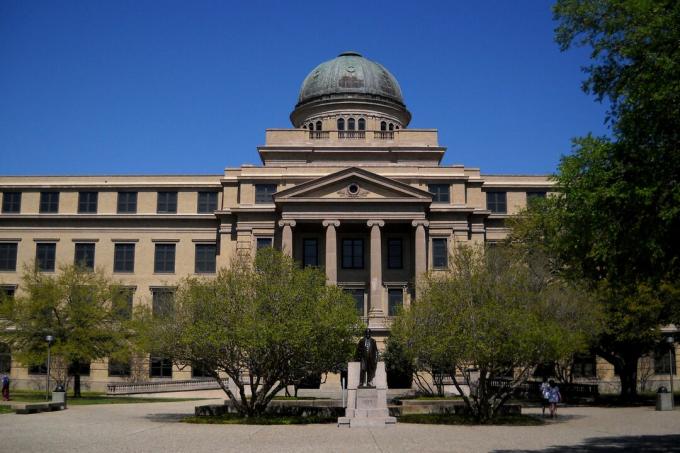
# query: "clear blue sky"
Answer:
x=101 y=87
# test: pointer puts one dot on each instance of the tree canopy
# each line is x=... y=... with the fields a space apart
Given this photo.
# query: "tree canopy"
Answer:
x=83 y=310
x=264 y=324
x=493 y=315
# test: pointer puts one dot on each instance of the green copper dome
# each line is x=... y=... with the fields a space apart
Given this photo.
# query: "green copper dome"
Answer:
x=350 y=74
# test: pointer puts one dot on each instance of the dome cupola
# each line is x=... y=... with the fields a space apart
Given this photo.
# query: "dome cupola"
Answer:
x=347 y=89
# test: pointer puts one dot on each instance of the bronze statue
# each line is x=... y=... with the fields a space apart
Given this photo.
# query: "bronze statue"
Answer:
x=367 y=354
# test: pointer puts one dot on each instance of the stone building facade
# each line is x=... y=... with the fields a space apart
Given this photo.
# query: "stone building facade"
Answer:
x=350 y=187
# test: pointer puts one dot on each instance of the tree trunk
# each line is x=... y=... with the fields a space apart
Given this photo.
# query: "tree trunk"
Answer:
x=627 y=371
x=76 y=385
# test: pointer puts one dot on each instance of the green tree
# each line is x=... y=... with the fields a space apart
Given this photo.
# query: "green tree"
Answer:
x=493 y=315
x=83 y=310
x=265 y=325
x=614 y=222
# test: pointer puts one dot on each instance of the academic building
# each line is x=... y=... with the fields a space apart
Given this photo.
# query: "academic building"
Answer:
x=349 y=187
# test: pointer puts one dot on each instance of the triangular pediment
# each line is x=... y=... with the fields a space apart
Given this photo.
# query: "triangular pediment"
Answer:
x=353 y=184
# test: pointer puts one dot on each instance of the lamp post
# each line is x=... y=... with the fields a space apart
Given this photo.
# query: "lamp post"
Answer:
x=670 y=340
x=49 y=339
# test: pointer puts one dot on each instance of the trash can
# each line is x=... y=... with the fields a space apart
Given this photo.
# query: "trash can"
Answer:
x=664 y=400
x=59 y=395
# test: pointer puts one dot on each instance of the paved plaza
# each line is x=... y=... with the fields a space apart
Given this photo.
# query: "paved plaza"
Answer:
x=154 y=427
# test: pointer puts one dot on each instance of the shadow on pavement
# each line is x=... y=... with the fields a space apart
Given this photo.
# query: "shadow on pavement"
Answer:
x=662 y=443
x=167 y=418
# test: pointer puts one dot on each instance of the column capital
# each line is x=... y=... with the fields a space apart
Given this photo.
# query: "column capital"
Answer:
x=417 y=223
x=379 y=223
x=327 y=223
x=290 y=223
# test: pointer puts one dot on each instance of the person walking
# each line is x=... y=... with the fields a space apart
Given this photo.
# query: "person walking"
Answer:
x=5 y=387
x=554 y=398
x=545 y=394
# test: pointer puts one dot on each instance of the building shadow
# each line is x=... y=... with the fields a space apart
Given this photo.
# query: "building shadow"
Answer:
x=647 y=444
x=167 y=418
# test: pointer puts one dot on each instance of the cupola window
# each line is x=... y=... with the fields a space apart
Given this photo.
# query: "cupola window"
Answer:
x=350 y=124
x=391 y=126
x=318 y=125
x=362 y=124
x=311 y=126
x=383 y=126
x=341 y=124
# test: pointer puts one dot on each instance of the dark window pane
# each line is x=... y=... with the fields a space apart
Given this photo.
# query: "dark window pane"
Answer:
x=162 y=302
x=198 y=370
x=395 y=299
x=8 y=256
x=664 y=356
x=119 y=369
x=207 y=202
x=391 y=127
x=350 y=124
x=11 y=202
x=87 y=202
x=5 y=359
x=584 y=365
x=533 y=196
x=84 y=255
x=124 y=258
x=127 y=202
x=496 y=202
x=160 y=367
x=319 y=126
x=362 y=124
x=49 y=202
x=83 y=369
x=205 y=258
x=264 y=193
x=383 y=126
x=263 y=243
x=341 y=124
x=310 y=256
x=440 y=193
x=164 y=258
x=6 y=292
x=440 y=253
x=353 y=253
x=167 y=203
x=45 y=256
x=394 y=254
x=123 y=307
x=358 y=295
x=38 y=369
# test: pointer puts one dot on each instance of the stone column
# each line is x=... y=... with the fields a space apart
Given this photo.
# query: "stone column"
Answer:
x=287 y=236
x=420 y=248
x=377 y=308
x=331 y=251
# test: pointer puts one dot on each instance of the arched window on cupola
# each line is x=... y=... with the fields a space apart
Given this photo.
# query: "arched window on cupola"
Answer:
x=362 y=124
x=341 y=124
x=304 y=126
x=311 y=126
x=383 y=126
x=350 y=124
x=391 y=126
x=396 y=127
x=319 y=126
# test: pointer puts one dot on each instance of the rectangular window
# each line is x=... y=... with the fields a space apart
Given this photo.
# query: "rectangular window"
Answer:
x=263 y=243
x=45 y=254
x=664 y=356
x=124 y=258
x=310 y=255
x=160 y=367
x=164 y=259
x=124 y=303
x=127 y=202
x=440 y=253
x=352 y=253
x=11 y=202
x=49 y=202
x=83 y=369
x=394 y=254
x=535 y=196
x=584 y=365
x=162 y=299
x=264 y=193
x=358 y=295
x=167 y=203
x=205 y=258
x=38 y=369
x=207 y=202
x=496 y=202
x=119 y=368
x=84 y=255
x=395 y=300
x=7 y=292
x=87 y=202
x=441 y=193
x=198 y=370
x=8 y=256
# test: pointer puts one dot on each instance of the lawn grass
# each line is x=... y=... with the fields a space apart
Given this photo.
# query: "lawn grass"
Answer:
x=235 y=419
x=88 y=398
x=454 y=419
x=5 y=409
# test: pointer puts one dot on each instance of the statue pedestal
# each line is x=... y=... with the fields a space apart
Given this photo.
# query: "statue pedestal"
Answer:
x=366 y=406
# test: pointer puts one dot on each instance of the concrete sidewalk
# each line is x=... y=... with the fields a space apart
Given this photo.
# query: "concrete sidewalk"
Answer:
x=154 y=427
